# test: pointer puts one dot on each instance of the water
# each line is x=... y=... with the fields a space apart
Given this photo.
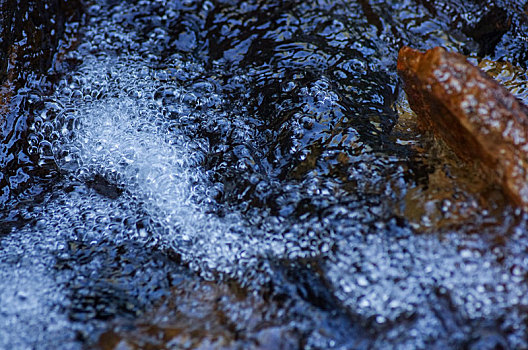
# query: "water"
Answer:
x=207 y=175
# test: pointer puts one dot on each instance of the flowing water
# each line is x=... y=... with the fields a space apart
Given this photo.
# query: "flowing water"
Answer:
x=210 y=174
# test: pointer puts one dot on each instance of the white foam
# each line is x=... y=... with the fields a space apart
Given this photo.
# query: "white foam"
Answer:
x=129 y=137
x=29 y=297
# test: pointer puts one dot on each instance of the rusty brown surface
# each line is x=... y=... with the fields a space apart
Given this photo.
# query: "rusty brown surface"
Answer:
x=474 y=114
x=8 y=86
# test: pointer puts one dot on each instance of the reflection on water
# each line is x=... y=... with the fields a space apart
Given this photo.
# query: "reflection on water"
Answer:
x=248 y=174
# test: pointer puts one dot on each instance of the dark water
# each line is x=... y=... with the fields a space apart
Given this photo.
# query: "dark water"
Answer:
x=248 y=175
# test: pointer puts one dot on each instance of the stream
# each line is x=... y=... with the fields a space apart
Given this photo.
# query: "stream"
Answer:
x=248 y=175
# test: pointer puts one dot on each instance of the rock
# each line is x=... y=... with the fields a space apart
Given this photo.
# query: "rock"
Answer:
x=475 y=115
x=486 y=22
x=30 y=34
x=204 y=315
x=34 y=38
x=495 y=29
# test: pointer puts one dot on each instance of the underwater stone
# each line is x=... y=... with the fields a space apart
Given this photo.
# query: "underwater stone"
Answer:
x=476 y=116
x=30 y=34
x=35 y=37
x=30 y=30
x=498 y=27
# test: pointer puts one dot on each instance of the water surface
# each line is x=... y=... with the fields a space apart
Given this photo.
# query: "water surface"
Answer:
x=244 y=174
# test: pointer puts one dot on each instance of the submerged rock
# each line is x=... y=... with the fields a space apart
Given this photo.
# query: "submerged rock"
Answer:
x=491 y=24
x=35 y=37
x=199 y=314
x=478 y=117
x=31 y=33
x=493 y=28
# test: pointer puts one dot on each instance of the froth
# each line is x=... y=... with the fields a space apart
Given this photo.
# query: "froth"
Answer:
x=129 y=137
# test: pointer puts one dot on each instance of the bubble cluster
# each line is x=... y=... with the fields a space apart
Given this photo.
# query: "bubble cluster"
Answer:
x=30 y=293
x=441 y=288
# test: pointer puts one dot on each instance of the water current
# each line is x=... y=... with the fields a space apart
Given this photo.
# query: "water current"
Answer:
x=224 y=174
